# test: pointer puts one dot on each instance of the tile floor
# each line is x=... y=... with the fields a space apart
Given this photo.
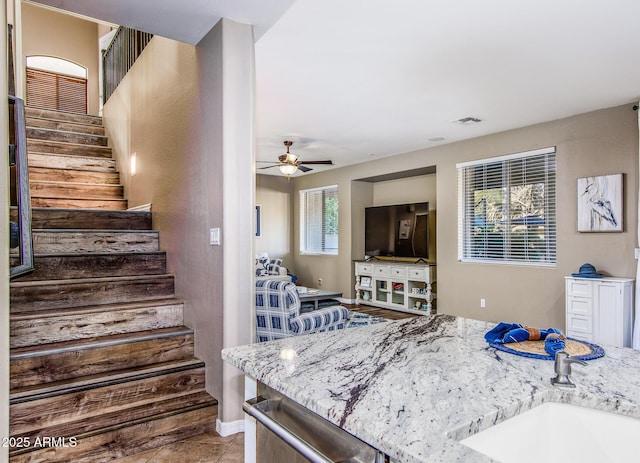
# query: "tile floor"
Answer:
x=213 y=448
x=206 y=448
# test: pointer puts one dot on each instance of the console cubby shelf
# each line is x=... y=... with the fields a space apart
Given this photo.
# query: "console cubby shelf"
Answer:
x=396 y=285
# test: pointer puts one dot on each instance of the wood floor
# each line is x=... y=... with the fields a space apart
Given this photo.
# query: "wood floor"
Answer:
x=384 y=313
x=205 y=448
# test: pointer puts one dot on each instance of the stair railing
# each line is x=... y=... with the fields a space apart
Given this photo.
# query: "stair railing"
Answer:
x=123 y=50
x=20 y=230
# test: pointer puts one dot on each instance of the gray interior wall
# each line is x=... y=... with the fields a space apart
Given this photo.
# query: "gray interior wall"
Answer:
x=273 y=194
x=596 y=143
x=187 y=113
x=154 y=113
x=361 y=196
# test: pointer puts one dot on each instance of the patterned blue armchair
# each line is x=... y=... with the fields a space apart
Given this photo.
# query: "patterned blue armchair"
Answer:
x=278 y=313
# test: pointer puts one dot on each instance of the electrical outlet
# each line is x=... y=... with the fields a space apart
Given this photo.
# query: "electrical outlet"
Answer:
x=483 y=303
x=319 y=282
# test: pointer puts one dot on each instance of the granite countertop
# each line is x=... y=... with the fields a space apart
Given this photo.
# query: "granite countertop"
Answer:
x=413 y=388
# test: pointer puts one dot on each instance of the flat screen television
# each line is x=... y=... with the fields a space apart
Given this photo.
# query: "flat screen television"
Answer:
x=401 y=230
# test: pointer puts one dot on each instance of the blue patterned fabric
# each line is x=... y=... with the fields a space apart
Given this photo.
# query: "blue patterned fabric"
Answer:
x=266 y=266
x=360 y=319
x=278 y=313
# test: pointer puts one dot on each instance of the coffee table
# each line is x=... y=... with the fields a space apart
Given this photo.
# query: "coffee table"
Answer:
x=317 y=295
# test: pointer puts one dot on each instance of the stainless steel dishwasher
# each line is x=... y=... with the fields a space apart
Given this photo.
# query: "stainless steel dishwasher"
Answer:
x=288 y=432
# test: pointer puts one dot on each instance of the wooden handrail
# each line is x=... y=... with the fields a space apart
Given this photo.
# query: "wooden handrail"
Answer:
x=18 y=155
x=11 y=72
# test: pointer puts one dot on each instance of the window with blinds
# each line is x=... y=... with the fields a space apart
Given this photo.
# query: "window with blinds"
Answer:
x=56 y=91
x=319 y=220
x=507 y=209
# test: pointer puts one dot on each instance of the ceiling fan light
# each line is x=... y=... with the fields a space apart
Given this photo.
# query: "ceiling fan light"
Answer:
x=288 y=158
x=288 y=169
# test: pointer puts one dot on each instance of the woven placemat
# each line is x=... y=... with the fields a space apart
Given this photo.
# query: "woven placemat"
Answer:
x=535 y=349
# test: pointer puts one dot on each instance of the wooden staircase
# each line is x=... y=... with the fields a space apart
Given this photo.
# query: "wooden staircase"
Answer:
x=101 y=365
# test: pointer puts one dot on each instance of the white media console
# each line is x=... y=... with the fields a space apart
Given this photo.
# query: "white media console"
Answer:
x=396 y=285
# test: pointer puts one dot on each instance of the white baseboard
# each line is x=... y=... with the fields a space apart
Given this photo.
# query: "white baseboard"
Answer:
x=227 y=429
x=142 y=208
x=344 y=300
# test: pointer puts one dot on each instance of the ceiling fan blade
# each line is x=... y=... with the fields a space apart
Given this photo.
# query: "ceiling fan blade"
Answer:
x=304 y=169
x=268 y=167
x=328 y=163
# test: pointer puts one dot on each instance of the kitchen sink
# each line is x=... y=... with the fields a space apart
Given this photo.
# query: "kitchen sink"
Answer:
x=560 y=432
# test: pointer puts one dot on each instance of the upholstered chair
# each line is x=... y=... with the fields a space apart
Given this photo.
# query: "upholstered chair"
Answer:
x=278 y=313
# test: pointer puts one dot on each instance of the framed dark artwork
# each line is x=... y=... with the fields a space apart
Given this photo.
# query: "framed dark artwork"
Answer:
x=258 y=221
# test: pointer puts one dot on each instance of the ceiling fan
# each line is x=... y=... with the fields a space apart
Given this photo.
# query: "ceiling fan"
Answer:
x=289 y=163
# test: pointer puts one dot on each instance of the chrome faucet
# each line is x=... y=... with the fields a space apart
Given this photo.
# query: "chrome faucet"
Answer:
x=563 y=369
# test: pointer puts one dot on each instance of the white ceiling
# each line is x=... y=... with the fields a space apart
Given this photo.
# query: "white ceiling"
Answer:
x=184 y=20
x=356 y=80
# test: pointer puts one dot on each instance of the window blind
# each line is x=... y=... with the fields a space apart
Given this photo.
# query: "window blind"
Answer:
x=56 y=91
x=319 y=220
x=507 y=209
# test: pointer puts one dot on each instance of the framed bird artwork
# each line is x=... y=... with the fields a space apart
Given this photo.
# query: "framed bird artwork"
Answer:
x=600 y=203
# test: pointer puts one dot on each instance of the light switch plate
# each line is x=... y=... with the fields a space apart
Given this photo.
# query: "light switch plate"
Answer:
x=214 y=236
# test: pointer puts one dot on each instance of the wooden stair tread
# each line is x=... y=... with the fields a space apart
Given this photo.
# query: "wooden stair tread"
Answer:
x=127 y=418
x=91 y=231
x=64 y=182
x=129 y=439
x=34 y=295
x=93 y=402
x=98 y=341
x=55 y=174
x=29 y=393
x=73 y=265
x=91 y=219
x=79 y=127
x=97 y=120
x=71 y=359
x=94 y=256
x=74 y=156
x=75 y=190
x=57 y=325
x=75 y=281
x=47 y=134
x=52 y=114
x=50 y=131
x=70 y=203
x=44 y=198
x=97 y=254
x=71 y=162
x=95 y=308
x=35 y=145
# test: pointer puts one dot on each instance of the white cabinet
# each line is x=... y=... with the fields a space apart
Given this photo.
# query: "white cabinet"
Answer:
x=396 y=285
x=600 y=310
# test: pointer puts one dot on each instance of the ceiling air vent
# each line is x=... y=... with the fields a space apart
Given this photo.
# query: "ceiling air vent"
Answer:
x=467 y=120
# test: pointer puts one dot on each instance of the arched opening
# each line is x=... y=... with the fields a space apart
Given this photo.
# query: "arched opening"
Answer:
x=55 y=83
